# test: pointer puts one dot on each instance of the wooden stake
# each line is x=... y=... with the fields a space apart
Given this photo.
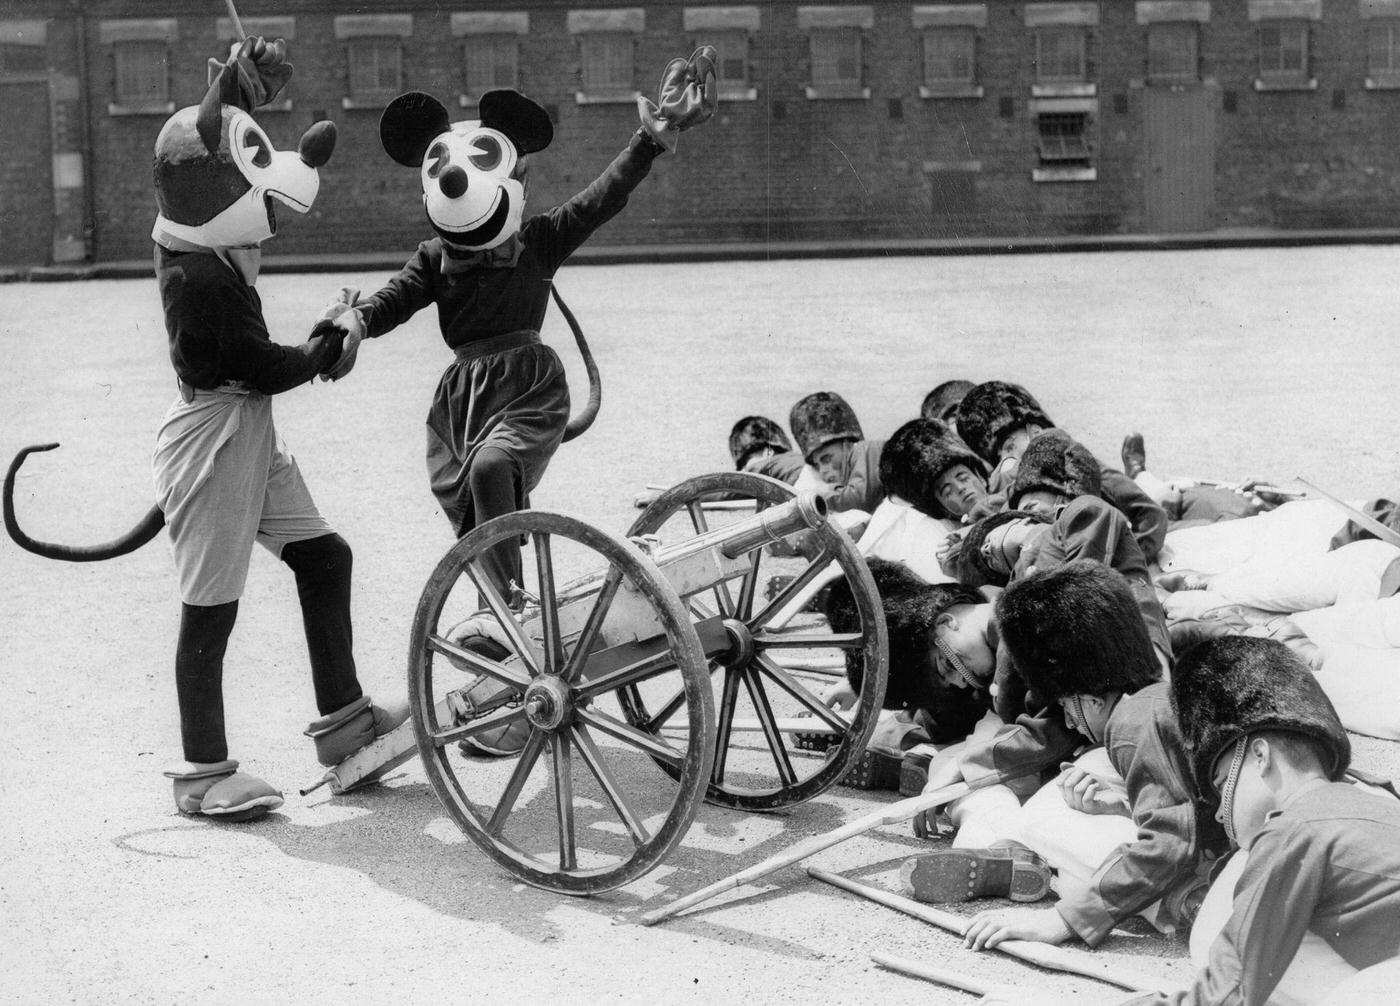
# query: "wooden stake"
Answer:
x=942 y=976
x=237 y=24
x=1043 y=955
x=894 y=813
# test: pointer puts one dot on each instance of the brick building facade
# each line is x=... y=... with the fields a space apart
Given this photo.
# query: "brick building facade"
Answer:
x=839 y=121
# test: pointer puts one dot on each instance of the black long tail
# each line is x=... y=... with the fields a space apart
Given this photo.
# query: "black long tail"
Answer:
x=147 y=528
x=577 y=424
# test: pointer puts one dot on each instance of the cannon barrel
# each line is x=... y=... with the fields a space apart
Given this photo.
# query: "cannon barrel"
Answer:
x=806 y=511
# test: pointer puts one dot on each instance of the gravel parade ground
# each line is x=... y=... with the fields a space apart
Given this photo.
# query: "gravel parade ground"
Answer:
x=1273 y=363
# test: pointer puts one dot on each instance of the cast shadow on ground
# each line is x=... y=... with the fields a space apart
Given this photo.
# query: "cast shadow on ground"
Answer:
x=399 y=836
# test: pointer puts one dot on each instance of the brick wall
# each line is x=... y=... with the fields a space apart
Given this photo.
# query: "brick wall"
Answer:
x=785 y=167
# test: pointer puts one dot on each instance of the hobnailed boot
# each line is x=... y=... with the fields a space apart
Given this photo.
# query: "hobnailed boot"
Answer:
x=949 y=876
x=219 y=790
x=340 y=734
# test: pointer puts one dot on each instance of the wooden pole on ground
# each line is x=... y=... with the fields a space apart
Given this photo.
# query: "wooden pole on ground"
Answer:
x=942 y=976
x=894 y=813
x=1043 y=955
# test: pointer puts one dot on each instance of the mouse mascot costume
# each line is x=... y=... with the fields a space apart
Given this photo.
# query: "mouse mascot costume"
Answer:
x=223 y=478
x=502 y=407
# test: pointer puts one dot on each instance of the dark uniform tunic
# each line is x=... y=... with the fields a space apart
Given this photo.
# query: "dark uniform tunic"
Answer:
x=1327 y=867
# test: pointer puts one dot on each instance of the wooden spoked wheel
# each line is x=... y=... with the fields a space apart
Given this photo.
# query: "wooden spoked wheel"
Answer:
x=768 y=682
x=588 y=802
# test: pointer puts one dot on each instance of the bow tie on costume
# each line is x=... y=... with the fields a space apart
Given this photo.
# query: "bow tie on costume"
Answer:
x=503 y=256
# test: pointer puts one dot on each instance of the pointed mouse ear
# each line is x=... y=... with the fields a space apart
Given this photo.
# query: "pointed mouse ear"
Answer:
x=523 y=120
x=408 y=124
x=224 y=90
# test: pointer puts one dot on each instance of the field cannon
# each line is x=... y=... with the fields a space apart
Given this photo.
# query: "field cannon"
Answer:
x=644 y=678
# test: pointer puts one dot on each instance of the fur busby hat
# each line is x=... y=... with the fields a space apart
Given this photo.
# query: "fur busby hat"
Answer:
x=1227 y=688
x=819 y=418
x=1055 y=461
x=916 y=456
x=1077 y=630
x=942 y=402
x=911 y=607
x=972 y=568
x=993 y=409
x=753 y=433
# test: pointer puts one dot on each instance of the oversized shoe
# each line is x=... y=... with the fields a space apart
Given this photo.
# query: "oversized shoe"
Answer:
x=949 y=876
x=218 y=790
x=340 y=734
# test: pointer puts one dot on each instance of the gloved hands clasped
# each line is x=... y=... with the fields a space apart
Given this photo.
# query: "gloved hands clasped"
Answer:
x=340 y=313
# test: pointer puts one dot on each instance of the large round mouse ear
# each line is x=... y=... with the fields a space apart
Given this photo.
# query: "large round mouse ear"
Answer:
x=523 y=120
x=408 y=124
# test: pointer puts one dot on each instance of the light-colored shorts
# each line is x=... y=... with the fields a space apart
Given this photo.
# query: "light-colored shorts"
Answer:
x=224 y=479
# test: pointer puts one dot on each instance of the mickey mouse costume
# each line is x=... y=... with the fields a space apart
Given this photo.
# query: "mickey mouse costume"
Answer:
x=223 y=477
x=501 y=408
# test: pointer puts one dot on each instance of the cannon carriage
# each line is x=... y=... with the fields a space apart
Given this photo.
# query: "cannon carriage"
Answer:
x=648 y=674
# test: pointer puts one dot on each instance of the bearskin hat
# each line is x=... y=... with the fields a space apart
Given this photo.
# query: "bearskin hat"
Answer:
x=972 y=569
x=911 y=606
x=1055 y=461
x=1077 y=630
x=916 y=456
x=993 y=409
x=753 y=433
x=819 y=418
x=942 y=402
x=1227 y=688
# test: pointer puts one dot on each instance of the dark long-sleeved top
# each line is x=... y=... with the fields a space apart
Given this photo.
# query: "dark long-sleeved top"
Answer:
x=861 y=489
x=214 y=324
x=1328 y=864
x=1148 y=520
x=1089 y=528
x=475 y=304
x=1144 y=744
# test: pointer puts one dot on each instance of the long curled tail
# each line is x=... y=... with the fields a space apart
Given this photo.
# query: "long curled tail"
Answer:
x=147 y=528
x=577 y=424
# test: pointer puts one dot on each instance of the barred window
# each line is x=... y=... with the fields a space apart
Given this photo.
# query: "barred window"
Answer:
x=1383 y=50
x=1063 y=139
x=949 y=56
x=22 y=60
x=491 y=61
x=1172 y=48
x=376 y=67
x=733 y=67
x=1060 y=54
x=1283 y=50
x=142 y=73
x=836 y=57
x=607 y=62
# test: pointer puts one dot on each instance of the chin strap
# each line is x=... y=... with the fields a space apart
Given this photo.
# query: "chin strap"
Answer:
x=1227 y=792
x=956 y=662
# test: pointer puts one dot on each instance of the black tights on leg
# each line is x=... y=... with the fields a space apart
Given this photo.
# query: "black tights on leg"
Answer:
x=494 y=480
x=199 y=678
x=322 y=567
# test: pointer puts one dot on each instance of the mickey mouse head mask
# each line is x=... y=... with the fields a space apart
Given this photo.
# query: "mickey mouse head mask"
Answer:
x=471 y=171
x=216 y=171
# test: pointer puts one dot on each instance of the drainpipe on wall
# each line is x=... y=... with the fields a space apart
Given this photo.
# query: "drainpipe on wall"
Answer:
x=78 y=248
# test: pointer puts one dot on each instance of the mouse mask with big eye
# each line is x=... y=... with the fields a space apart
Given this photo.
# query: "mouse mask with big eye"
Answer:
x=217 y=173
x=472 y=172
